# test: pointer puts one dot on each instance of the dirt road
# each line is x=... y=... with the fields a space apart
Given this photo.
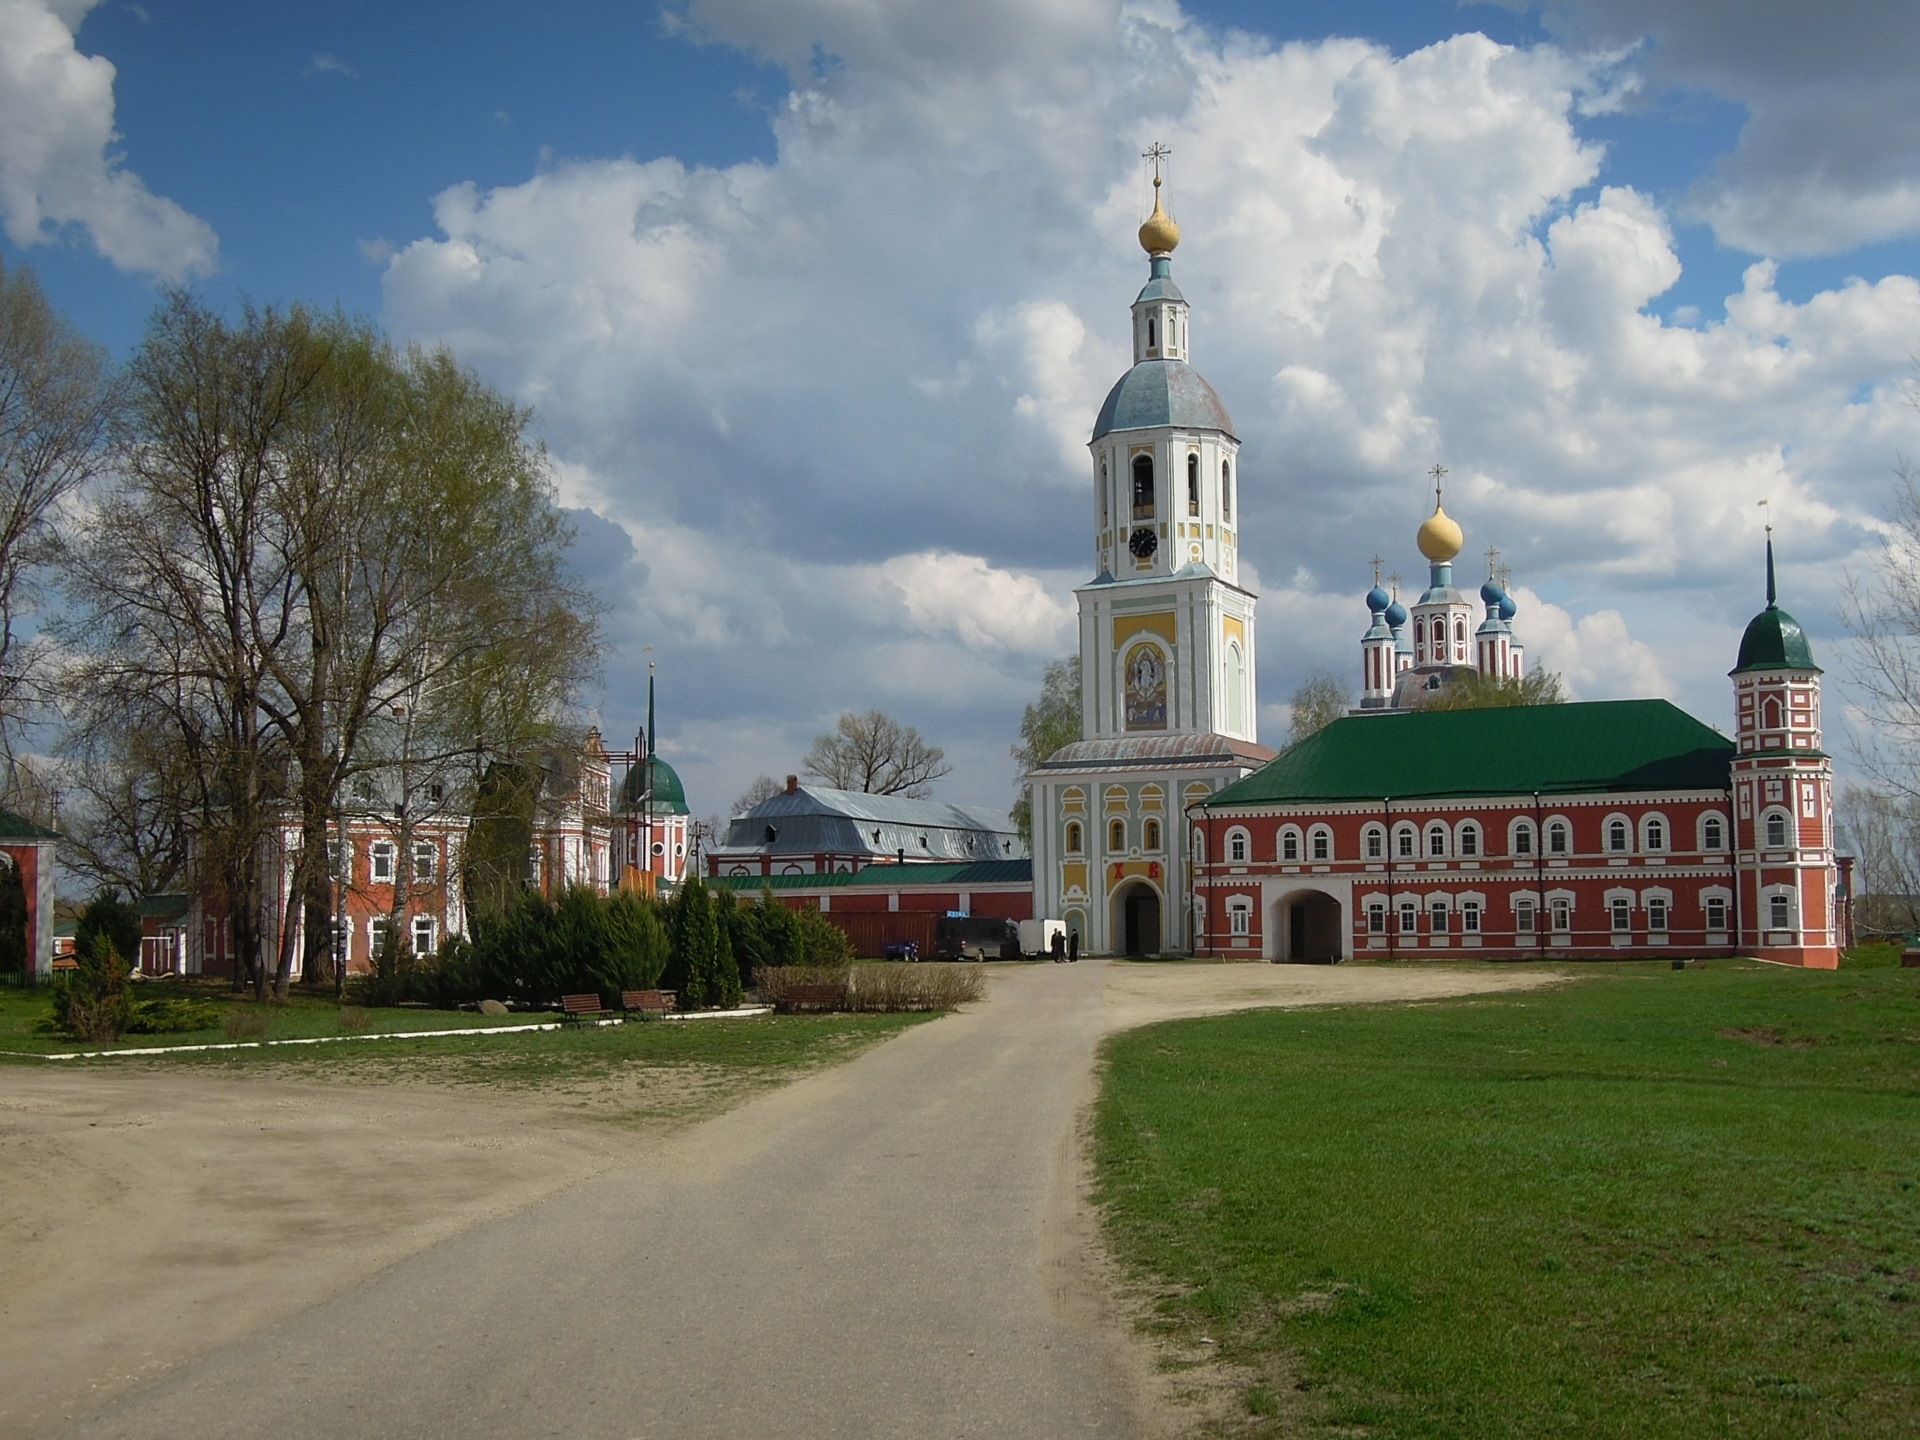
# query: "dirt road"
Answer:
x=894 y=1247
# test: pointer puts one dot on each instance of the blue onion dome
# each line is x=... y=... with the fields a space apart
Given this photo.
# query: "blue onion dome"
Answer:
x=1491 y=593
x=1378 y=599
x=1509 y=607
x=1396 y=614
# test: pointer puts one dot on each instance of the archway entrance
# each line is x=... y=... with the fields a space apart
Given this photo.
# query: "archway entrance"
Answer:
x=1308 y=928
x=1136 y=920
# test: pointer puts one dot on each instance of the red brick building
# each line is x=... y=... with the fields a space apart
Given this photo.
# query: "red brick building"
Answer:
x=1607 y=830
x=880 y=905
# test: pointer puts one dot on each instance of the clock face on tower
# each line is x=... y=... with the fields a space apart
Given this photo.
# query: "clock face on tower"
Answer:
x=1143 y=542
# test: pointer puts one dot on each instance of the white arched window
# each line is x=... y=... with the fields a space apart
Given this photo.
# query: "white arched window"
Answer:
x=1653 y=833
x=1619 y=835
x=1320 y=843
x=1520 y=837
x=1559 y=837
x=1073 y=837
x=1150 y=835
x=1713 y=831
x=1775 y=824
x=1436 y=841
x=1290 y=843
x=1116 y=835
x=1406 y=841
x=1239 y=846
x=1226 y=491
x=1467 y=840
x=1193 y=482
x=1373 y=840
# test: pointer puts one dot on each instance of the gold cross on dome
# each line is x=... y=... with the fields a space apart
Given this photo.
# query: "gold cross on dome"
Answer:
x=1156 y=152
x=1439 y=473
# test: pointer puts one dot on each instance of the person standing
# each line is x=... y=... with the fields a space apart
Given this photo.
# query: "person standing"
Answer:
x=1073 y=946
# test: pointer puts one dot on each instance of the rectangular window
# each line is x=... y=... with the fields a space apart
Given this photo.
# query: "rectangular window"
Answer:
x=377 y=935
x=1622 y=916
x=1409 y=919
x=1406 y=845
x=425 y=859
x=424 y=934
x=1523 y=916
x=1470 y=917
x=1779 y=912
x=1523 y=840
x=1320 y=846
x=383 y=853
x=1562 y=913
x=1376 y=919
x=1657 y=915
x=1239 y=919
x=1376 y=845
x=1469 y=841
x=1289 y=847
x=1716 y=912
x=1438 y=912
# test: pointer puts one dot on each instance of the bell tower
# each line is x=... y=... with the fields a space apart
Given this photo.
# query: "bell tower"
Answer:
x=1168 y=692
x=1782 y=794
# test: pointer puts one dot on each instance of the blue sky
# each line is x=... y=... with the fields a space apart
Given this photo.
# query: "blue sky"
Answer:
x=816 y=302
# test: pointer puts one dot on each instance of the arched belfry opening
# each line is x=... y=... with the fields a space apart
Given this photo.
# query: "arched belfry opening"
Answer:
x=1137 y=920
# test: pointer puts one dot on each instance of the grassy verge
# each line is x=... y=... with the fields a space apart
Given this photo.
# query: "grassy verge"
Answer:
x=1648 y=1203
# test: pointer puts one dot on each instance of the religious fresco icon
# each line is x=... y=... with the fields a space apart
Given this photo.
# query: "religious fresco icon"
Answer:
x=1146 y=676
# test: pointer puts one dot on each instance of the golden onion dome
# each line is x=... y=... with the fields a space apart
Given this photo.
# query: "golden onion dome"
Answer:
x=1158 y=235
x=1441 y=537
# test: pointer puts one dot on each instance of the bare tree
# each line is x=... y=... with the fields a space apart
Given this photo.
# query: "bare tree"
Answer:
x=129 y=799
x=55 y=405
x=1882 y=829
x=1321 y=699
x=1473 y=691
x=1882 y=613
x=872 y=751
x=764 y=787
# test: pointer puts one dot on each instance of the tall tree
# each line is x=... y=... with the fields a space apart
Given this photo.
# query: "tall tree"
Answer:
x=56 y=402
x=323 y=559
x=1881 y=827
x=1049 y=722
x=1882 y=613
x=764 y=787
x=1321 y=699
x=874 y=752
x=1473 y=691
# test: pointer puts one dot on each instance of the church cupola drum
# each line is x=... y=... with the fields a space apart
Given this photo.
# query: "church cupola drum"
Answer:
x=1168 y=694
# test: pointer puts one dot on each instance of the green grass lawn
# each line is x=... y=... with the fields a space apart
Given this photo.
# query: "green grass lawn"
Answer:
x=1647 y=1203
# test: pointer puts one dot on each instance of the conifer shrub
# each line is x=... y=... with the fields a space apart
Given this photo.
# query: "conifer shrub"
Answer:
x=538 y=950
x=703 y=971
x=107 y=914
x=15 y=951
x=95 y=1004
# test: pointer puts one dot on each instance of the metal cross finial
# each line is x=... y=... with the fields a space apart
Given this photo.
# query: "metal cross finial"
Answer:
x=1493 y=562
x=1394 y=581
x=1376 y=569
x=1439 y=473
x=1766 y=507
x=1156 y=152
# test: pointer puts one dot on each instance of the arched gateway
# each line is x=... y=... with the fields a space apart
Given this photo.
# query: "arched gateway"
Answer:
x=1307 y=928
x=1136 y=920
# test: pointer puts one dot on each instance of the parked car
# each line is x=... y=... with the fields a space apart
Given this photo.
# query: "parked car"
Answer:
x=975 y=937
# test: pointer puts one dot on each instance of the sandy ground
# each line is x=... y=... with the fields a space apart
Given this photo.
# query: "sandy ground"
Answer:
x=155 y=1216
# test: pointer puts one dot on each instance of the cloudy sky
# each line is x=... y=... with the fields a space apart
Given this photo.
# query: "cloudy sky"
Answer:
x=816 y=301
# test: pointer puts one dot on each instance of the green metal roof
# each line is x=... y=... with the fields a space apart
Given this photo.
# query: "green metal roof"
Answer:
x=1553 y=749
x=669 y=795
x=959 y=874
x=163 y=907
x=18 y=827
x=1774 y=641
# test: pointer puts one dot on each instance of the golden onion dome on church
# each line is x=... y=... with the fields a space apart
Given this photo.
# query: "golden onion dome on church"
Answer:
x=1158 y=235
x=1441 y=537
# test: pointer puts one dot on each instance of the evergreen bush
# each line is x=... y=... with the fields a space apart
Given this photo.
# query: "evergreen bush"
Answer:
x=107 y=914
x=94 y=1003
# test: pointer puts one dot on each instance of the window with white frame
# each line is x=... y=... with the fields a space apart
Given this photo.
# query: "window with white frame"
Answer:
x=1523 y=916
x=1657 y=914
x=1289 y=844
x=1716 y=912
x=1468 y=840
x=1779 y=911
x=1073 y=839
x=1199 y=845
x=1116 y=835
x=1409 y=917
x=1320 y=843
x=1621 y=910
x=1713 y=833
x=1237 y=846
x=1405 y=840
x=1150 y=835
x=377 y=936
x=426 y=935
x=1653 y=834
x=384 y=853
x=1375 y=842
x=426 y=859
x=1776 y=824
x=1470 y=917
x=1376 y=917
x=1523 y=837
x=1436 y=841
x=1239 y=917
x=1437 y=916
x=1561 y=914
x=1559 y=837
x=1619 y=835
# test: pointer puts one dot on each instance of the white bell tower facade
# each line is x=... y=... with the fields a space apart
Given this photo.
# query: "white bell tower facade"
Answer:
x=1169 y=691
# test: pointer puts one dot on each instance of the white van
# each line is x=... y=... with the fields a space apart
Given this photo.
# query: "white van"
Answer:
x=1036 y=937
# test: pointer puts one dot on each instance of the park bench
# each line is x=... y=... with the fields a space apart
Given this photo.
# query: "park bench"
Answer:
x=813 y=997
x=648 y=1002
x=578 y=1008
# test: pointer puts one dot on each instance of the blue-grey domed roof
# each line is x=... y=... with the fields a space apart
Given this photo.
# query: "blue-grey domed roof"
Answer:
x=1396 y=614
x=1378 y=599
x=1491 y=593
x=1162 y=392
x=1509 y=607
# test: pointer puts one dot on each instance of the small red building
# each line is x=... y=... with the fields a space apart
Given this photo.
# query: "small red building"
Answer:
x=880 y=905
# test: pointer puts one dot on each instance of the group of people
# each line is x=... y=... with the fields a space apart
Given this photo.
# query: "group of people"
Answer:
x=1065 y=946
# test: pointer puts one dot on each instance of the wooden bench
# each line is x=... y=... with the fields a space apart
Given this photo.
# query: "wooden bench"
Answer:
x=577 y=1008
x=648 y=1002
x=813 y=997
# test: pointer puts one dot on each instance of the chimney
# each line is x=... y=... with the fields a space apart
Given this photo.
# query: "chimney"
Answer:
x=793 y=784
